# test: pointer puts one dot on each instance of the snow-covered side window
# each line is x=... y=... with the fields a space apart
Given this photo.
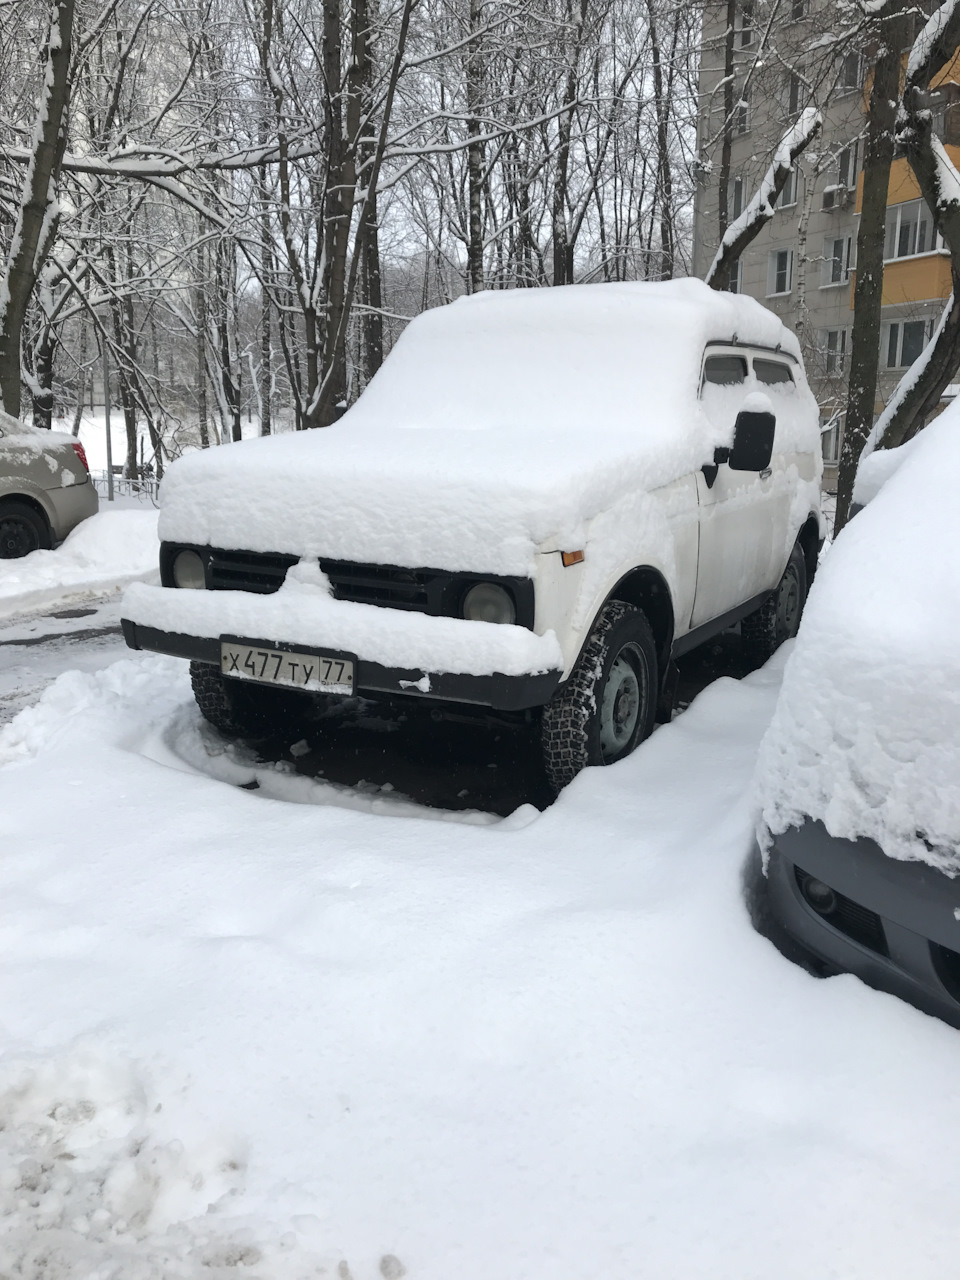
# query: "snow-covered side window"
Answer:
x=724 y=371
x=779 y=272
x=772 y=373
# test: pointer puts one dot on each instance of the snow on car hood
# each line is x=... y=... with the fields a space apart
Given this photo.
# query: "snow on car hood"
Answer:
x=866 y=735
x=497 y=423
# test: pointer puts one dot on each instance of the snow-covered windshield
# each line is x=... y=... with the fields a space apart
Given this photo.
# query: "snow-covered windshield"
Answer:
x=866 y=735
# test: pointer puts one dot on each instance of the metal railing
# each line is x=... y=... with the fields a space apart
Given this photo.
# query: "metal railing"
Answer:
x=146 y=488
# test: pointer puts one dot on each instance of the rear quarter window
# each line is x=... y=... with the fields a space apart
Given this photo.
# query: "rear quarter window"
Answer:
x=772 y=373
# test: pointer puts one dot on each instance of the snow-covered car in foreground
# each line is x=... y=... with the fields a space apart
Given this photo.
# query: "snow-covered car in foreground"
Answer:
x=541 y=499
x=45 y=488
x=859 y=773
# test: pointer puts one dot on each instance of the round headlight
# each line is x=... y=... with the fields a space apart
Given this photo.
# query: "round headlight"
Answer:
x=188 y=570
x=486 y=602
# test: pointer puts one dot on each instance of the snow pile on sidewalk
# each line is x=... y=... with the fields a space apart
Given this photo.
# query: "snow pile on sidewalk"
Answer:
x=866 y=735
x=296 y=1040
x=101 y=555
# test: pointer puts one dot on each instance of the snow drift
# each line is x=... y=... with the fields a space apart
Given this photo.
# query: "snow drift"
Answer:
x=866 y=734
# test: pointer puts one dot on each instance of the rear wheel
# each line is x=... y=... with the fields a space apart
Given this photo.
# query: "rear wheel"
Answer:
x=764 y=631
x=608 y=705
x=242 y=709
x=22 y=530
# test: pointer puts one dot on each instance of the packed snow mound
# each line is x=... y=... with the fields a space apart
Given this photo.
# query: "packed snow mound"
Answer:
x=499 y=422
x=102 y=554
x=866 y=734
x=875 y=469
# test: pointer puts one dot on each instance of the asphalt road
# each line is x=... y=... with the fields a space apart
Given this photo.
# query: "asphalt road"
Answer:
x=449 y=766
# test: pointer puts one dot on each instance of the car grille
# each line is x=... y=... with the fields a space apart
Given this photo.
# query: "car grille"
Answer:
x=393 y=588
x=856 y=922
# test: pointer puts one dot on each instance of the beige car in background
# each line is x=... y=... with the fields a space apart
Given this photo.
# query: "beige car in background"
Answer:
x=45 y=488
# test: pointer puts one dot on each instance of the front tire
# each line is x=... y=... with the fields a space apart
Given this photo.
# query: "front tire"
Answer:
x=22 y=530
x=764 y=631
x=608 y=705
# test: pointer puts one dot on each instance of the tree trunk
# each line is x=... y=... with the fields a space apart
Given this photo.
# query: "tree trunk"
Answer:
x=35 y=228
x=868 y=289
x=474 y=89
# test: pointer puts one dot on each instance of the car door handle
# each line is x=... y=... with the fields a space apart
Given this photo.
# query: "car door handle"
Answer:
x=766 y=473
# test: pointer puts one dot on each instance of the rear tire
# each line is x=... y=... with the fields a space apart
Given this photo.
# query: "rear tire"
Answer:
x=241 y=709
x=764 y=631
x=607 y=706
x=22 y=530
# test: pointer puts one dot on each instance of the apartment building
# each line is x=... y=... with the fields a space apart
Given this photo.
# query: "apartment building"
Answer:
x=803 y=263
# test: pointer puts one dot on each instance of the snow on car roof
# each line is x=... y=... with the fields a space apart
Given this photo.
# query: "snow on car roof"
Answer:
x=570 y=358
x=529 y=411
x=866 y=735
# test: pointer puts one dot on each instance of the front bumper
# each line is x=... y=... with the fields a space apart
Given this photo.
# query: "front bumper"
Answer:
x=498 y=691
x=894 y=925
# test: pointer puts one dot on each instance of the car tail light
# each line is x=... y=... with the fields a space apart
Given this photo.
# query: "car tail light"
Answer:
x=78 y=450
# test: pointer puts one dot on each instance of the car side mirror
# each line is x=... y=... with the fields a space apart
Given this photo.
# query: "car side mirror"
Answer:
x=752 y=441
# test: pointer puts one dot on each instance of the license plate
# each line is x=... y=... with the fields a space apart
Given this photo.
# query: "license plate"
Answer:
x=311 y=672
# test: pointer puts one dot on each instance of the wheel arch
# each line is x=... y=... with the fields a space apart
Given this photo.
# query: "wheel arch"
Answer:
x=646 y=588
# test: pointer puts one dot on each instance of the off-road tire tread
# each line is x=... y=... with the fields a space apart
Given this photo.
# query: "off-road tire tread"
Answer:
x=563 y=727
x=758 y=630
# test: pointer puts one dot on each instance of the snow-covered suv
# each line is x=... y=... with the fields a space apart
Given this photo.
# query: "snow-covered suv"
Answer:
x=542 y=498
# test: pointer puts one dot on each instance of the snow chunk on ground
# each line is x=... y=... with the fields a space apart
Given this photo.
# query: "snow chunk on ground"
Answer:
x=866 y=735
x=102 y=554
x=875 y=469
x=497 y=423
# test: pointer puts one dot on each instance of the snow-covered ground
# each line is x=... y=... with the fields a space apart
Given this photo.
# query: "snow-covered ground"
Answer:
x=293 y=1031
x=103 y=554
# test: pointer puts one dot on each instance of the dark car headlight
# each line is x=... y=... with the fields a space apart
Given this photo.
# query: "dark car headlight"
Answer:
x=488 y=602
x=188 y=570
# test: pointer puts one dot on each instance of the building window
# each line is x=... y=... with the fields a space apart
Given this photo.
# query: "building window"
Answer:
x=779 y=272
x=736 y=277
x=837 y=251
x=741 y=114
x=831 y=435
x=794 y=94
x=745 y=29
x=849 y=79
x=788 y=195
x=848 y=164
x=737 y=197
x=909 y=230
x=905 y=342
x=833 y=343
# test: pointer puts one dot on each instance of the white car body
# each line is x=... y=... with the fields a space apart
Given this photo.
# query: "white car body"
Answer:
x=502 y=432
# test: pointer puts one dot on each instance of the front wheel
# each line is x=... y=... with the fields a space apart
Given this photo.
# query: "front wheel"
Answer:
x=778 y=619
x=607 y=706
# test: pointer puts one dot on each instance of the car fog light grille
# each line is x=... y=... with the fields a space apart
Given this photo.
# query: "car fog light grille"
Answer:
x=850 y=918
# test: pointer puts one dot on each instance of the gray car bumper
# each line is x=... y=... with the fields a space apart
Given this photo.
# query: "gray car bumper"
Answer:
x=70 y=506
x=892 y=923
